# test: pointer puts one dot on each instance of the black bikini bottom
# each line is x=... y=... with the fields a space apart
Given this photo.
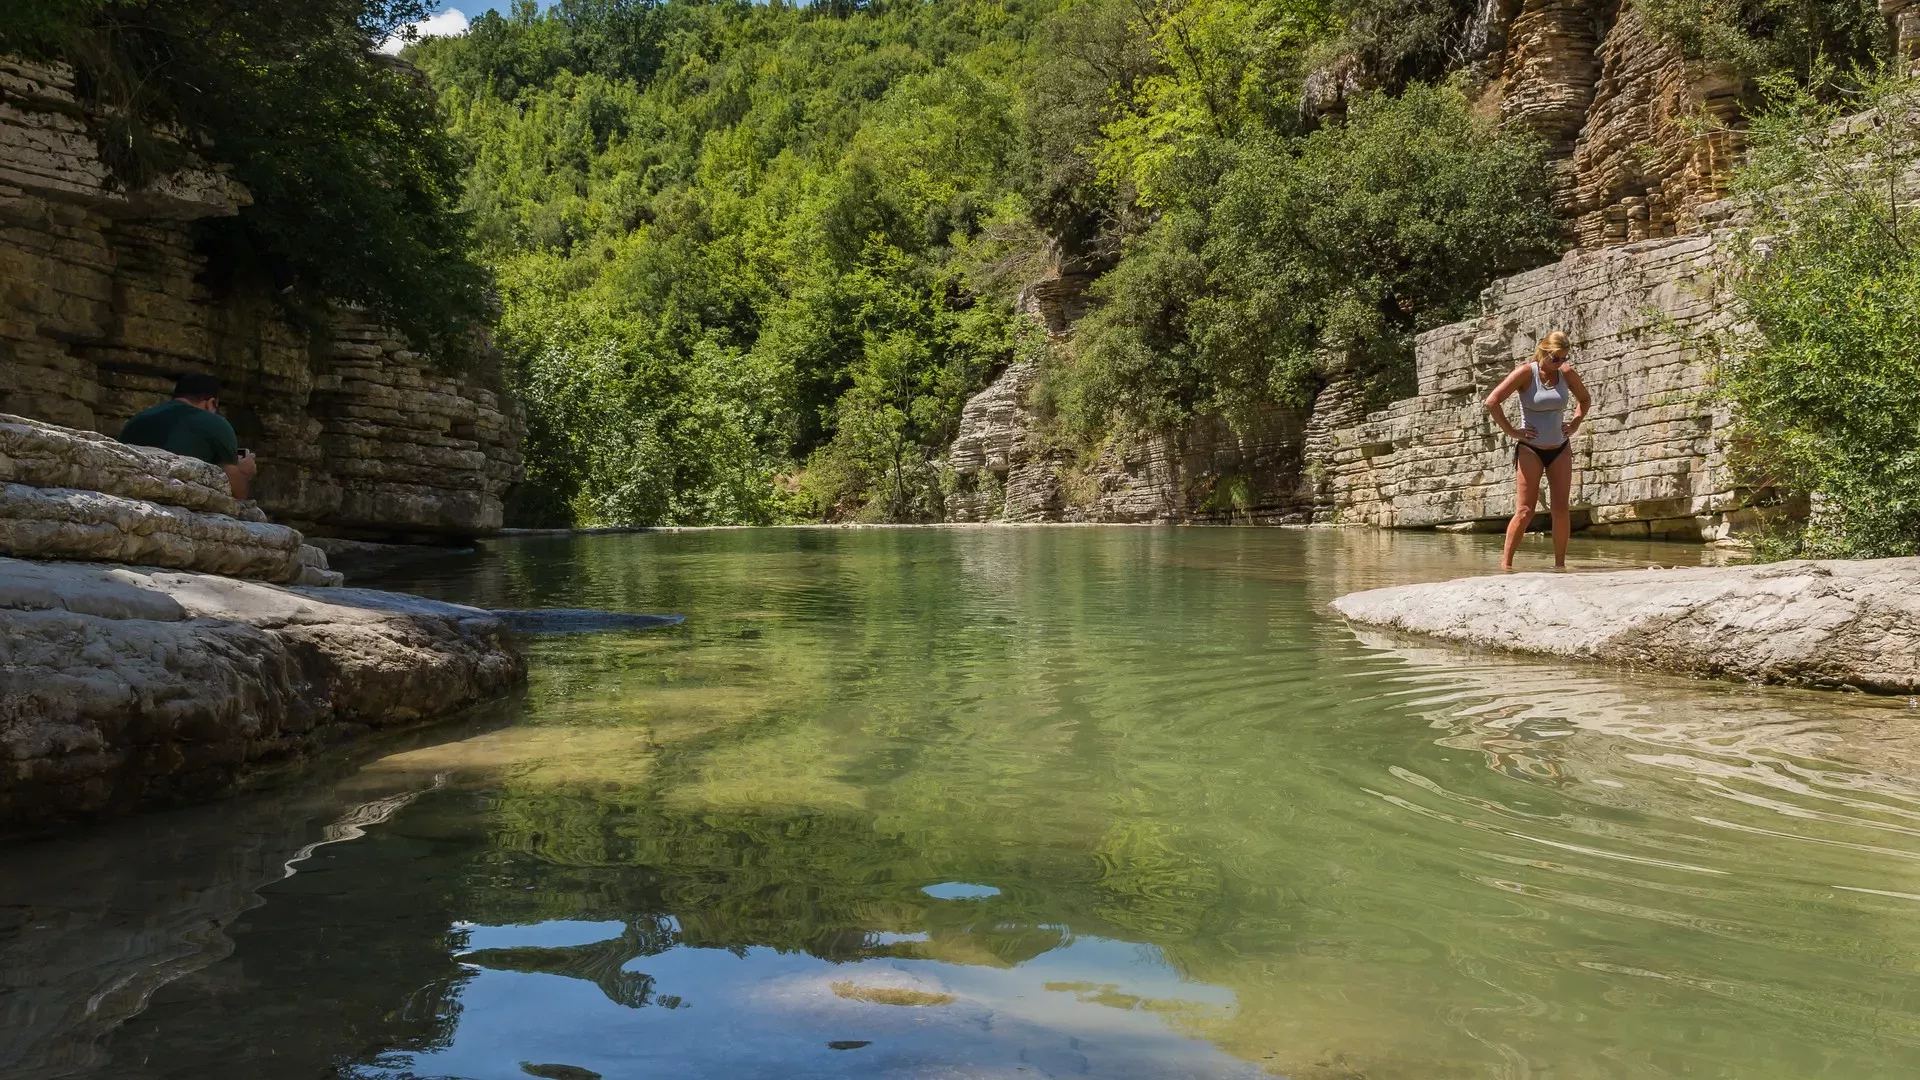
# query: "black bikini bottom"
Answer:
x=1546 y=454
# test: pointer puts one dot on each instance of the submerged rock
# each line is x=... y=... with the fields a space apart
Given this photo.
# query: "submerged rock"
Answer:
x=124 y=687
x=558 y=1072
x=581 y=620
x=1829 y=624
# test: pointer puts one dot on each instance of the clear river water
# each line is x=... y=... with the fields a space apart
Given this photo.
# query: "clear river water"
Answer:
x=999 y=803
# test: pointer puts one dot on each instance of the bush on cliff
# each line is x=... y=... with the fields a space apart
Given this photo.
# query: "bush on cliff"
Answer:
x=1825 y=376
x=355 y=181
x=1346 y=241
x=1762 y=39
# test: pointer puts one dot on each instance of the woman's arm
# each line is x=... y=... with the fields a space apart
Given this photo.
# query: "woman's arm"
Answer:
x=1498 y=398
x=1581 y=402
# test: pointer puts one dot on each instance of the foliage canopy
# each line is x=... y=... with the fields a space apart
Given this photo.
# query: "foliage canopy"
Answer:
x=354 y=179
x=754 y=258
x=1822 y=375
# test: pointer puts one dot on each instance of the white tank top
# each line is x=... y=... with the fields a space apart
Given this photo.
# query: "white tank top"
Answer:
x=1542 y=406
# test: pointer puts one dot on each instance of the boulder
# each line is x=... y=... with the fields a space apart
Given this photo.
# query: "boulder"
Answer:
x=1835 y=624
x=64 y=523
x=51 y=456
x=125 y=687
x=68 y=494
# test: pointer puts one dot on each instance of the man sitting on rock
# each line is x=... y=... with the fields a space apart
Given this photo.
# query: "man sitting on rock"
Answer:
x=191 y=425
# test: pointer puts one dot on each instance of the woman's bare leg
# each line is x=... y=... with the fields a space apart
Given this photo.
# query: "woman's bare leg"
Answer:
x=1526 y=494
x=1560 y=486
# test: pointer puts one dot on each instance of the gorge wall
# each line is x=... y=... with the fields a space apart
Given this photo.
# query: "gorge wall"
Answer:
x=1650 y=460
x=1639 y=184
x=104 y=299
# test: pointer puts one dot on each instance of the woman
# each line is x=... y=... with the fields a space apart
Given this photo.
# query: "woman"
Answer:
x=1546 y=386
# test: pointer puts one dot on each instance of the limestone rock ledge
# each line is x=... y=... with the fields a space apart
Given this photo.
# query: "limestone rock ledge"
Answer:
x=128 y=687
x=1835 y=624
x=67 y=494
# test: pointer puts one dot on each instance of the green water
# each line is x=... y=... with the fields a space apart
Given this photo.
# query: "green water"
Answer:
x=1012 y=803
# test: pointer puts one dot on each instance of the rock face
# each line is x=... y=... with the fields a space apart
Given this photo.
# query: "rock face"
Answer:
x=1649 y=463
x=1650 y=460
x=67 y=494
x=1644 y=138
x=107 y=298
x=1830 y=624
x=126 y=687
x=1212 y=471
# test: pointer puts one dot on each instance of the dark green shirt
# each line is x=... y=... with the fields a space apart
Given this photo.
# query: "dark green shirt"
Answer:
x=184 y=429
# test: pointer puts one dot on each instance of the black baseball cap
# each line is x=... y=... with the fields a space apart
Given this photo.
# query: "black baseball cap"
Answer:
x=196 y=387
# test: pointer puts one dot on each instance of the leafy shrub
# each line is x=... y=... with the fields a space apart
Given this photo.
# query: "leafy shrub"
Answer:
x=1762 y=38
x=1346 y=241
x=1824 y=376
x=354 y=181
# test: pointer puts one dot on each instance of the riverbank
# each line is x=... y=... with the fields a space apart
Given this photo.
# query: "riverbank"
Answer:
x=1838 y=624
x=125 y=687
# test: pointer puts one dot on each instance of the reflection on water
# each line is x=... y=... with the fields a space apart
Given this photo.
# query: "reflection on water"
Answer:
x=998 y=803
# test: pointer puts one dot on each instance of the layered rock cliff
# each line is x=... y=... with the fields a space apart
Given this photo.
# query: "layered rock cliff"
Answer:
x=1644 y=142
x=1650 y=461
x=107 y=299
x=1643 y=137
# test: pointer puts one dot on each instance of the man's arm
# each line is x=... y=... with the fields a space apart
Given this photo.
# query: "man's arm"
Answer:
x=240 y=475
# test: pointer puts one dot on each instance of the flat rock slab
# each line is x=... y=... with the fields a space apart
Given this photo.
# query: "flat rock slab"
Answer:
x=123 y=687
x=46 y=455
x=1841 y=624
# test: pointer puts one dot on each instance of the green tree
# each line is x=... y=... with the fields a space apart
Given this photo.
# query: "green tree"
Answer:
x=1336 y=246
x=354 y=181
x=1823 y=375
x=741 y=247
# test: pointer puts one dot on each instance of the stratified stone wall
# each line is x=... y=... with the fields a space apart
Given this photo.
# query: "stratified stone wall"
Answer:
x=1548 y=65
x=79 y=495
x=1642 y=137
x=1650 y=460
x=104 y=300
x=1209 y=471
x=1660 y=142
x=1903 y=22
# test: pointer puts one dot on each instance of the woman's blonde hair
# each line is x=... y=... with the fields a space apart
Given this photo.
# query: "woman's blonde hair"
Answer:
x=1555 y=340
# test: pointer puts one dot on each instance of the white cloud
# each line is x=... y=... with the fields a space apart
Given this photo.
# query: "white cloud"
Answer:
x=448 y=23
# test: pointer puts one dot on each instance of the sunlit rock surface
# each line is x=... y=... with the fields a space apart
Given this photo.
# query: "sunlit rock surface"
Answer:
x=124 y=687
x=1832 y=623
x=1651 y=459
x=67 y=494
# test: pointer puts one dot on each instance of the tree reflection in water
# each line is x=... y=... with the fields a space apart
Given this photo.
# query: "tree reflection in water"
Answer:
x=1225 y=834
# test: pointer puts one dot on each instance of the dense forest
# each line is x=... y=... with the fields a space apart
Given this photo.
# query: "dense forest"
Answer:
x=753 y=258
x=746 y=261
